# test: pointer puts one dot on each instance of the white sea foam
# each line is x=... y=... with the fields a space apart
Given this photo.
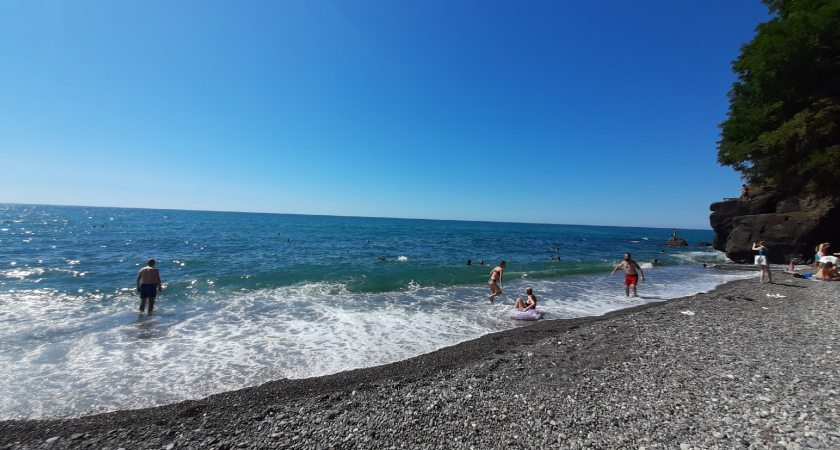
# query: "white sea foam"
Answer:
x=22 y=273
x=72 y=355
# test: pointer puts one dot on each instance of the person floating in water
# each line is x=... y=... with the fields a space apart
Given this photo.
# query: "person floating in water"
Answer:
x=531 y=303
x=656 y=262
x=551 y=257
x=382 y=259
x=631 y=278
x=496 y=280
x=481 y=263
x=148 y=285
x=469 y=262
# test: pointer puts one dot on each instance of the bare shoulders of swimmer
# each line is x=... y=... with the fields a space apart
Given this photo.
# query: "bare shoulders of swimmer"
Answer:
x=149 y=275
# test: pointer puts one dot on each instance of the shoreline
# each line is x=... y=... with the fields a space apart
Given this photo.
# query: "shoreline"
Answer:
x=324 y=411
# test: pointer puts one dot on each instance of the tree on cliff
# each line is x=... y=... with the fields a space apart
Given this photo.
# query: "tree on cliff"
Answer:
x=783 y=125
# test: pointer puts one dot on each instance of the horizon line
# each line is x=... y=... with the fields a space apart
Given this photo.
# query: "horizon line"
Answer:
x=349 y=216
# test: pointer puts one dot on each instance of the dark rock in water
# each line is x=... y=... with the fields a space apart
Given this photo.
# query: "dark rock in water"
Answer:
x=704 y=244
x=789 y=226
x=675 y=242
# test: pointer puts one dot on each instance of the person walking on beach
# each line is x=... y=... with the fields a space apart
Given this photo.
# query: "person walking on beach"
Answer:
x=496 y=280
x=631 y=277
x=148 y=284
x=762 y=262
x=531 y=303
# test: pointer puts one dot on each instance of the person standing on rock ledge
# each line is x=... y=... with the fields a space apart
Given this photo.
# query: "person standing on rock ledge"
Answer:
x=745 y=192
x=762 y=261
x=630 y=276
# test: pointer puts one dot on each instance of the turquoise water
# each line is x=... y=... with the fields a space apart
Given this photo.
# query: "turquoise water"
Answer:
x=242 y=305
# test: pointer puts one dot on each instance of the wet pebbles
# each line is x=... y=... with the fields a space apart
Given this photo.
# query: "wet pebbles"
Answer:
x=745 y=370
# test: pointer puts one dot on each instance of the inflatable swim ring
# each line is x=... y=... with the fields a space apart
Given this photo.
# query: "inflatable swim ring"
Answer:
x=531 y=314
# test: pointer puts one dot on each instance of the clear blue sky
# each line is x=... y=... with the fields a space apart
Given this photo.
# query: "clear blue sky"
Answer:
x=579 y=112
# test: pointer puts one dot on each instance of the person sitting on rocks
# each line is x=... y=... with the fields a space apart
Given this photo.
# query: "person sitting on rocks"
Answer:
x=745 y=192
x=530 y=304
x=828 y=272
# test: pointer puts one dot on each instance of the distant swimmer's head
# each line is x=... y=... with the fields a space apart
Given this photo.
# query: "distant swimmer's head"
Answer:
x=151 y=262
x=469 y=262
x=627 y=257
x=502 y=264
x=529 y=291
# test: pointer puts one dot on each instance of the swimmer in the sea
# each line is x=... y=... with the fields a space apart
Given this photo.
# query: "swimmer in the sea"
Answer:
x=469 y=262
x=382 y=259
x=496 y=280
x=530 y=303
x=551 y=257
x=148 y=285
x=481 y=263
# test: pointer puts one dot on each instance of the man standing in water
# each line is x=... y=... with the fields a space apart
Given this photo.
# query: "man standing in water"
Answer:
x=148 y=284
x=630 y=276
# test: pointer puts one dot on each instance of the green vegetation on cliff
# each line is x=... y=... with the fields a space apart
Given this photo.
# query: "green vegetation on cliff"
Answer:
x=783 y=125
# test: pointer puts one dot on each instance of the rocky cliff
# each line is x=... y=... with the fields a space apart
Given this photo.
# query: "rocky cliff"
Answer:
x=790 y=226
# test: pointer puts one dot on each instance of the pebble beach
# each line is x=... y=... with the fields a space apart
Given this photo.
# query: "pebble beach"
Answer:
x=747 y=365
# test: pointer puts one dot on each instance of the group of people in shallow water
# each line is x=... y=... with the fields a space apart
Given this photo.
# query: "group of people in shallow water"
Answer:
x=149 y=282
x=632 y=273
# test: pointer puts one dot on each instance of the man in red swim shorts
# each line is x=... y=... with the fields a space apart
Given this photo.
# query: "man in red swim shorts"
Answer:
x=630 y=276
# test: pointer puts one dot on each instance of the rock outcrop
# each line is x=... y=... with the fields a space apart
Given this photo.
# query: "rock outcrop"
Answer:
x=675 y=242
x=789 y=226
x=704 y=244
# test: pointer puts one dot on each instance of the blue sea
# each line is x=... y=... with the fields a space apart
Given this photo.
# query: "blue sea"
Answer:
x=250 y=298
